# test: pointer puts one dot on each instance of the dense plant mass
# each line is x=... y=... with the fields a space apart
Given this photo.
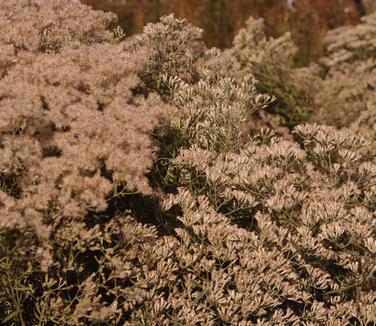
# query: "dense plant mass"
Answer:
x=150 y=180
x=348 y=70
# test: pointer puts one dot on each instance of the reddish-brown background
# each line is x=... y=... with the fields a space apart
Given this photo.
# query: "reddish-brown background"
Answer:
x=308 y=21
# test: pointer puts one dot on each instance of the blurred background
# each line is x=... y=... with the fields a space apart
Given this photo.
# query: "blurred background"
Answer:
x=307 y=20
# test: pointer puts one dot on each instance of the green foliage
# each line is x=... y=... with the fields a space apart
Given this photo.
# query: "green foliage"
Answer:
x=294 y=105
x=270 y=61
x=211 y=112
x=19 y=276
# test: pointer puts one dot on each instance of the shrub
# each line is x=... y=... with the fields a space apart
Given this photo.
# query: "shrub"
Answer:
x=72 y=127
x=124 y=157
x=348 y=73
x=270 y=61
x=171 y=49
x=299 y=230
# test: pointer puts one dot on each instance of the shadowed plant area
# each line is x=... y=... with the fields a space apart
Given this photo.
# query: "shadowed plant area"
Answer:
x=152 y=180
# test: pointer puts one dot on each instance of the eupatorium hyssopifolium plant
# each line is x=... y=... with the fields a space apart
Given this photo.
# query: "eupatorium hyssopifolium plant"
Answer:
x=73 y=130
x=271 y=62
x=198 y=229
x=347 y=73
